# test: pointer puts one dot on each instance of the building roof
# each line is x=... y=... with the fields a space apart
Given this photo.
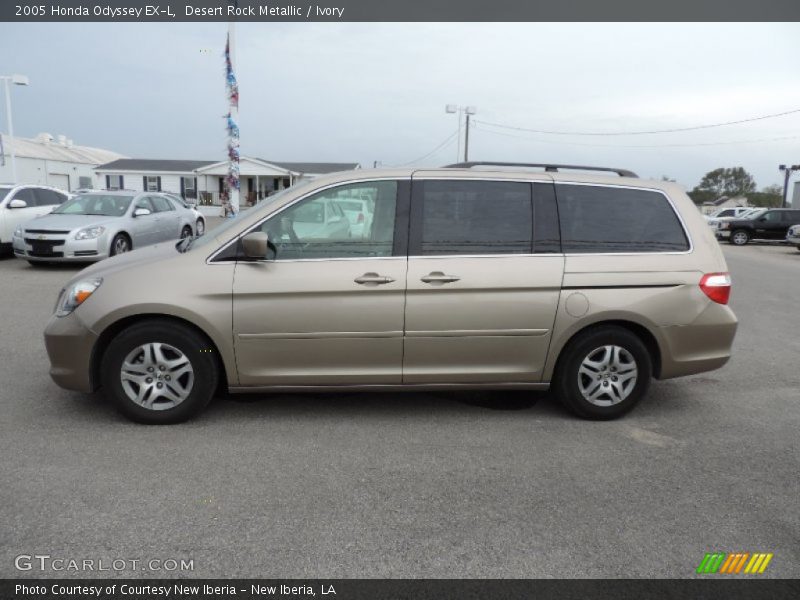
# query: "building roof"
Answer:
x=46 y=147
x=313 y=167
x=186 y=166
x=154 y=164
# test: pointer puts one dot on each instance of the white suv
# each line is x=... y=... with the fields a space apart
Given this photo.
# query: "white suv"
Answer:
x=21 y=203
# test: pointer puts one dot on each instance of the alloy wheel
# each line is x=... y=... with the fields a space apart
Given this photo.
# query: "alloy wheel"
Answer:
x=607 y=375
x=157 y=376
x=120 y=245
x=740 y=238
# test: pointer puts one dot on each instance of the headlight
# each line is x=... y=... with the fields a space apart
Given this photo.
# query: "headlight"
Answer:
x=90 y=233
x=724 y=225
x=75 y=295
x=18 y=231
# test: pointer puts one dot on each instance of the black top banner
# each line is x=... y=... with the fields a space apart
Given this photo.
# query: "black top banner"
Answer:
x=399 y=10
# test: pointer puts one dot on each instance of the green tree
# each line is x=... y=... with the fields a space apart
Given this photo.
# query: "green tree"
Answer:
x=733 y=181
x=769 y=197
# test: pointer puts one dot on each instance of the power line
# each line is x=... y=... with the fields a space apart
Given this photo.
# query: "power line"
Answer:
x=673 y=130
x=445 y=143
x=540 y=141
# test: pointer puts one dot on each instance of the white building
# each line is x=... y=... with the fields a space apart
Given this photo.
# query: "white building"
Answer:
x=723 y=202
x=52 y=161
x=205 y=180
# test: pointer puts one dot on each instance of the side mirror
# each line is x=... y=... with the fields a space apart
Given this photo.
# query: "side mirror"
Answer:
x=255 y=245
x=141 y=212
x=17 y=203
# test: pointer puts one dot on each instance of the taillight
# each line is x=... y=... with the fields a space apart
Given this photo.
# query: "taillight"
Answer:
x=360 y=218
x=717 y=286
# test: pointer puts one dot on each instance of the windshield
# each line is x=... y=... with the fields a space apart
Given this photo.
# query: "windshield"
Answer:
x=755 y=214
x=4 y=192
x=226 y=224
x=96 y=204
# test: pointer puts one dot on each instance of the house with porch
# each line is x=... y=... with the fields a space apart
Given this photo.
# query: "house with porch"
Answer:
x=204 y=181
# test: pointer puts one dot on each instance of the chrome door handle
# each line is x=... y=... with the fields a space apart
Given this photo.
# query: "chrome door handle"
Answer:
x=372 y=278
x=439 y=277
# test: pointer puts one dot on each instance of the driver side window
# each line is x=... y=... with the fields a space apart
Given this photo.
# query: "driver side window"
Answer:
x=317 y=227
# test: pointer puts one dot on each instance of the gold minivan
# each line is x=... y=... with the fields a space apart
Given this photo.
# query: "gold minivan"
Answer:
x=588 y=281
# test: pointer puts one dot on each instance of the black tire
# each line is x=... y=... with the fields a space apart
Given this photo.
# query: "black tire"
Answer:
x=199 y=227
x=120 y=244
x=739 y=237
x=191 y=344
x=186 y=232
x=567 y=385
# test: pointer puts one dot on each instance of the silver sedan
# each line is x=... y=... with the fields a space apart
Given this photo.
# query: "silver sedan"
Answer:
x=96 y=225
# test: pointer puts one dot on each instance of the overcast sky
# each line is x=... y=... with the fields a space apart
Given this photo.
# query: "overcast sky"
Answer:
x=366 y=92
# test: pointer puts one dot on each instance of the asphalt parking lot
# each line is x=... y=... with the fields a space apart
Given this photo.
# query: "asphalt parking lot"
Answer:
x=472 y=485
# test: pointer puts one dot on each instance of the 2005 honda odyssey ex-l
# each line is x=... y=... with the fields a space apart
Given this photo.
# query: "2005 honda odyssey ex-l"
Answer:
x=479 y=275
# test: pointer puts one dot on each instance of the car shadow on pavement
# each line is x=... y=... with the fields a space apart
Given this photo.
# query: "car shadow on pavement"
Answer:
x=405 y=404
x=665 y=398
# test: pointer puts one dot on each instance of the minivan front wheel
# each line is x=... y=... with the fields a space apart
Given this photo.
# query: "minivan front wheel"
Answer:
x=159 y=372
x=603 y=373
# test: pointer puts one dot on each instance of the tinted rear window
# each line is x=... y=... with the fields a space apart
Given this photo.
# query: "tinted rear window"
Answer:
x=476 y=217
x=611 y=219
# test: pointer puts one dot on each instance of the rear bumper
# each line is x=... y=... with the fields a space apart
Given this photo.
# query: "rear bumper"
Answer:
x=699 y=346
x=69 y=346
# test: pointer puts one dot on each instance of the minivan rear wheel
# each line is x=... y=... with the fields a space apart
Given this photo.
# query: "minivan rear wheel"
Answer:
x=159 y=372
x=603 y=373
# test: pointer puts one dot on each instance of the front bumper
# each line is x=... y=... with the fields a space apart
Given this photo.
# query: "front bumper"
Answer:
x=69 y=346
x=60 y=248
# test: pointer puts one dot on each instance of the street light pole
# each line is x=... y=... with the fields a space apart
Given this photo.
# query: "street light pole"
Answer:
x=16 y=80
x=787 y=173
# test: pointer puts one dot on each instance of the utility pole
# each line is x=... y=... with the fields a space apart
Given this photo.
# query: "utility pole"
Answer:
x=469 y=110
x=787 y=173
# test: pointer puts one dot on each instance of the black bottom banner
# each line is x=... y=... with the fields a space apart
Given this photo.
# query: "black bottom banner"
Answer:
x=394 y=589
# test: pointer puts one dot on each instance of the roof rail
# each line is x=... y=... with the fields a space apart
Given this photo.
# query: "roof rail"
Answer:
x=551 y=168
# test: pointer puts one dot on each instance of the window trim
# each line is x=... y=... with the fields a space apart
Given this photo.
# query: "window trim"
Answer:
x=401 y=223
x=641 y=189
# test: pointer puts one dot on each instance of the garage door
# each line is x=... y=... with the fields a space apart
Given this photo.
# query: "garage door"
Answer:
x=59 y=181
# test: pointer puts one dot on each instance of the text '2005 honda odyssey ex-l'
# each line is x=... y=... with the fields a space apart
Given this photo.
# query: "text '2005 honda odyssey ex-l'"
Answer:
x=479 y=275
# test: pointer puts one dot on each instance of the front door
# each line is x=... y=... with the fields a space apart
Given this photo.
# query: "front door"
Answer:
x=769 y=226
x=169 y=221
x=325 y=308
x=484 y=276
x=144 y=228
x=18 y=216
